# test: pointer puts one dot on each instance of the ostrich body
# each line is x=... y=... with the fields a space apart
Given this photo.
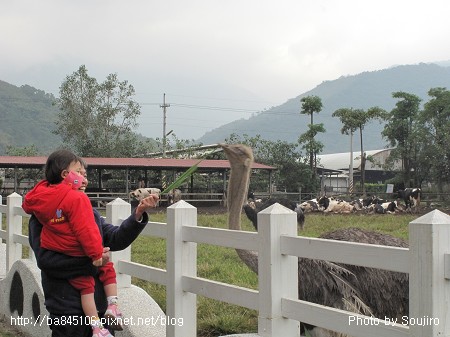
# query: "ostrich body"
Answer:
x=358 y=289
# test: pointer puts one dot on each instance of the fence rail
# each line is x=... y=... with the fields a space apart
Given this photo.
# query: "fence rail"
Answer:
x=427 y=261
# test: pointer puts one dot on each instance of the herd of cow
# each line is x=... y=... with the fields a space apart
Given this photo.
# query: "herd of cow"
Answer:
x=372 y=205
x=410 y=197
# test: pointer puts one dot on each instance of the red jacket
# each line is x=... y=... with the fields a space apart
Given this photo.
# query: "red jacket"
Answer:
x=68 y=222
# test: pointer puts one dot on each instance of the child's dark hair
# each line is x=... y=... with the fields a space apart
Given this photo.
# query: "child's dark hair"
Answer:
x=57 y=162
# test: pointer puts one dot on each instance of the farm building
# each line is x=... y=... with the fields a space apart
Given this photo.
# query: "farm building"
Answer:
x=334 y=169
x=102 y=168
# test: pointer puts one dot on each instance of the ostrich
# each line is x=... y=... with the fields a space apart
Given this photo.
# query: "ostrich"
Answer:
x=359 y=289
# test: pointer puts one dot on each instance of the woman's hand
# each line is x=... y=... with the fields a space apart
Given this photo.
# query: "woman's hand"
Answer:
x=149 y=202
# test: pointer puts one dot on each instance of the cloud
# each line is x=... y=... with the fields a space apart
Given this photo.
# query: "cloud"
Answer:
x=221 y=52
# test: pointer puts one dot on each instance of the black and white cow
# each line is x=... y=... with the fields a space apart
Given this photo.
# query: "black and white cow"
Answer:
x=330 y=204
x=389 y=206
x=411 y=197
x=366 y=202
x=309 y=206
x=375 y=208
x=357 y=204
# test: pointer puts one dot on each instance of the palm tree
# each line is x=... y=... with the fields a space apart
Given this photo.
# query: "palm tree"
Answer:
x=311 y=104
x=353 y=119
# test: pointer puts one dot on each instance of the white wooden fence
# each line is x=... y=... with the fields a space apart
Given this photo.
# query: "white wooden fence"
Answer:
x=427 y=261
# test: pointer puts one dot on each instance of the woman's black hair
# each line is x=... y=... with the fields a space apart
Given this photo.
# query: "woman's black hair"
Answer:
x=57 y=162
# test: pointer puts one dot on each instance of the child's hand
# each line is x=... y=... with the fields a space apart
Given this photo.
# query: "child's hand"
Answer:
x=98 y=262
x=106 y=255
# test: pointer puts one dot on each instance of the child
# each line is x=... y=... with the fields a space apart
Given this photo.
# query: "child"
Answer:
x=69 y=227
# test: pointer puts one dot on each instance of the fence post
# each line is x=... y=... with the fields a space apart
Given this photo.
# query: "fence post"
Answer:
x=13 y=226
x=277 y=274
x=429 y=291
x=181 y=261
x=117 y=211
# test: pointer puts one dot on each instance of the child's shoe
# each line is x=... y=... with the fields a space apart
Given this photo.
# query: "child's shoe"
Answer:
x=100 y=332
x=114 y=317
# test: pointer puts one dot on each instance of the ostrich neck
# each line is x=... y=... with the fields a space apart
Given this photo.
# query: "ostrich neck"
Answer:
x=237 y=192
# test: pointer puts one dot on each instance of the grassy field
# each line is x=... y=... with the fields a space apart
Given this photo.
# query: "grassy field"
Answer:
x=222 y=264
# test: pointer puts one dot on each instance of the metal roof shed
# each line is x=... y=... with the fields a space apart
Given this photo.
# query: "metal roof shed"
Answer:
x=158 y=164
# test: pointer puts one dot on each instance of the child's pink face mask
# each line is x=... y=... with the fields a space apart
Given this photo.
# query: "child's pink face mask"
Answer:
x=74 y=179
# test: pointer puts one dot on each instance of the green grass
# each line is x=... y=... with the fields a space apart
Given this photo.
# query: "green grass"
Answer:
x=395 y=224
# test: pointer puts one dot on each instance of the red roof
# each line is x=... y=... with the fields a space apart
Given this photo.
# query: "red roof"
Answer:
x=160 y=163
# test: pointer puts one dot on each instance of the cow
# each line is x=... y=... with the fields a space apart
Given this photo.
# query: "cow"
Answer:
x=366 y=202
x=334 y=205
x=389 y=206
x=411 y=197
x=376 y=208
x=309 y=206
x=357 y=204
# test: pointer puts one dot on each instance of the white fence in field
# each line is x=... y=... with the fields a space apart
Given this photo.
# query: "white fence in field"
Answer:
x=427 y=261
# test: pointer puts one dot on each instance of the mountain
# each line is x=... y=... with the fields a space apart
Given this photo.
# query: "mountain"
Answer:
x=26 y=118
x=362 y=91
x=27 y=114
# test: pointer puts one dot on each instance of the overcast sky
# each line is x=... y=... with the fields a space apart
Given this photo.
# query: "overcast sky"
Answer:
x=238 y=56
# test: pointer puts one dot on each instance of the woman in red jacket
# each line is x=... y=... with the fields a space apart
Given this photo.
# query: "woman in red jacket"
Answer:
x=69 y=227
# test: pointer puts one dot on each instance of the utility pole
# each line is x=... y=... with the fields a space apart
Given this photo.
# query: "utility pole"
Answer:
x=164 y=140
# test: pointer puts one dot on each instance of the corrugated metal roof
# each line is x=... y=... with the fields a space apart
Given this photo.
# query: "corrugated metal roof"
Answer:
x=160 y=163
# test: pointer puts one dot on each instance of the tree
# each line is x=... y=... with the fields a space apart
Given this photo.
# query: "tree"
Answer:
x=310 y=105
x=98 y=119
x=435 y=137
x=347 y=118
x=27 y=151
x=292 y=173
x=353 y=119
x=401 y=131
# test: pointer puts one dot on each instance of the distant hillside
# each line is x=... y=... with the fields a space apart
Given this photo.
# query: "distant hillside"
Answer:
x=27 y=114
x=26 y=118
x=368 y=89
